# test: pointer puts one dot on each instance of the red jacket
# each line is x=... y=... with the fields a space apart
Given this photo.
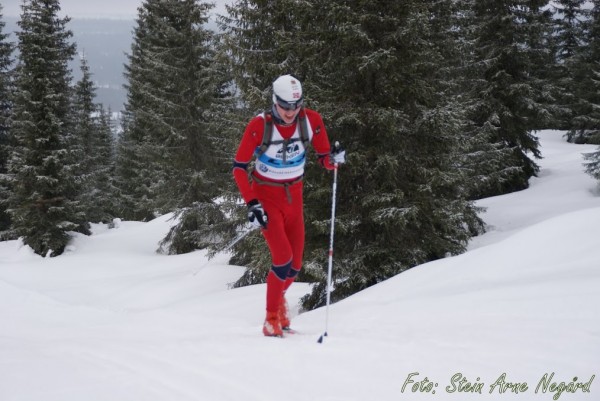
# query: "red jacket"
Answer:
x=252 y=139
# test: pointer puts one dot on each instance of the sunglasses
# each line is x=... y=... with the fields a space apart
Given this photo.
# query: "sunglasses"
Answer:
x=289 y=105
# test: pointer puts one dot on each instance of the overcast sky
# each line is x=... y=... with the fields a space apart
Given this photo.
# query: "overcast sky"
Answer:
x=103 y=8
x=96 y=8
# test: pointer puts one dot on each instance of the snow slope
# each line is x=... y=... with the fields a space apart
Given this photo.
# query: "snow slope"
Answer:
x=111 y=320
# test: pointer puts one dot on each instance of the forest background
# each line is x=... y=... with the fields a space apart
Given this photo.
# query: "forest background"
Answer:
x=436 y=102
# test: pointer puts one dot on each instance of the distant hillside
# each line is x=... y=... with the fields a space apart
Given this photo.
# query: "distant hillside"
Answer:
x=105 y=43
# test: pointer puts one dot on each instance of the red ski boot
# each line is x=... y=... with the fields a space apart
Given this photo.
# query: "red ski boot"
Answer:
x=272 y=325
x=284 y=314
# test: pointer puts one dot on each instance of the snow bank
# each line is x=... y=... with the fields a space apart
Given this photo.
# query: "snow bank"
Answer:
x=516 y=317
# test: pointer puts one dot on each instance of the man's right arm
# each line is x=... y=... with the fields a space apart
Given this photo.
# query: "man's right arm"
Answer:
x=251 y=139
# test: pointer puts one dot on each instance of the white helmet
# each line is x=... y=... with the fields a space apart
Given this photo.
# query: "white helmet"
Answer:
x=287 y=92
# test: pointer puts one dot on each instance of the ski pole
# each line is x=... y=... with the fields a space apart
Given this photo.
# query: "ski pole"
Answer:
x=237 y=239
x=330 y=263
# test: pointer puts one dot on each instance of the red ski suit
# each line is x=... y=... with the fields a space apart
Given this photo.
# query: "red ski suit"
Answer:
x=280 y=198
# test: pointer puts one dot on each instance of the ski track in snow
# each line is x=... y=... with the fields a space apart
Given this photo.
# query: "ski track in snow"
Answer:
x=112 y=320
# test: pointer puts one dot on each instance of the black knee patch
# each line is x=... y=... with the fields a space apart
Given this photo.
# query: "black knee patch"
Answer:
x=282 y=272
x=293 y=273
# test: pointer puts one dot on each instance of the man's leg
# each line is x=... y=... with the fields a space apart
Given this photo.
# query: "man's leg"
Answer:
x=281 y=256
x=294 y=228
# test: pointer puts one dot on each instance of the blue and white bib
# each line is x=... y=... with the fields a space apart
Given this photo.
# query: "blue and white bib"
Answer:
x=281 y=164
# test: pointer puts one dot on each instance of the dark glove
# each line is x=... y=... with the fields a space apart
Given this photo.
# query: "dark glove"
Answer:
x=256 y=214
x=338 y=154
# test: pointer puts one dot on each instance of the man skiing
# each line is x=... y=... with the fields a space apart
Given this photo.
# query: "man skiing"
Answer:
x=279 y=139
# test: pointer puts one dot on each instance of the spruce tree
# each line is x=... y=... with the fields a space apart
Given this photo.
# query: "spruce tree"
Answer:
x=372 y=70
x=83 y=109
x=585 y=125
x=486 y=162
x=570 y=38
x=592 y=164
x=172 y=133
x=42 y=164
x=95 y=144
x=476 y=156
x=205 y=221
x=402 y=203
x=593 y=63
x=105 y=191
x=131 y=181
x=6 y=49
x=510 y=55
x=137 y=169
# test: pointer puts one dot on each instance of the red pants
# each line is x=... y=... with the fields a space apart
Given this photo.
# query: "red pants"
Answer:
x=284 y=235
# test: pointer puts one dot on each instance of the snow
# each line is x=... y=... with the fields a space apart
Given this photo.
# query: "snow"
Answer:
x=111 y=320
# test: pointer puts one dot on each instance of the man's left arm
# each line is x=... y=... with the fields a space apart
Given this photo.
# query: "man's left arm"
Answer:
x=320 y=142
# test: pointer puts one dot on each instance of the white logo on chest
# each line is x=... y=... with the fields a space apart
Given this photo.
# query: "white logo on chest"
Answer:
x=291 y=151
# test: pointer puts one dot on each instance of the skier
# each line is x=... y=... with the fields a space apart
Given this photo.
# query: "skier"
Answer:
x=278 y=138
